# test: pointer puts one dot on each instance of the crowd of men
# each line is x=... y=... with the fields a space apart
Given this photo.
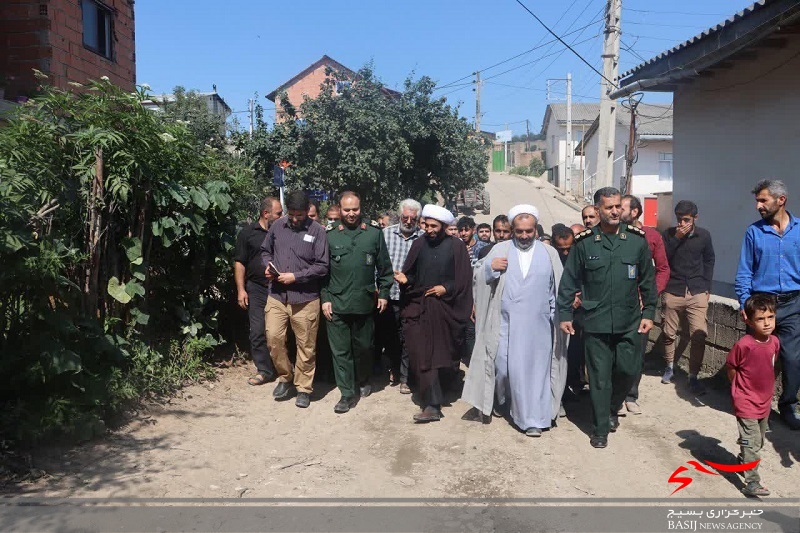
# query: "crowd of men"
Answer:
x=536 y=318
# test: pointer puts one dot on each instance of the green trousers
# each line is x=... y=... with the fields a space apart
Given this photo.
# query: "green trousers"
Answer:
x=351 y=338
x=612 y=362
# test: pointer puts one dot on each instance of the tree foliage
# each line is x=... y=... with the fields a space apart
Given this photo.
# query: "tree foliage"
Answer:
x=383 y=144
x=116 y=232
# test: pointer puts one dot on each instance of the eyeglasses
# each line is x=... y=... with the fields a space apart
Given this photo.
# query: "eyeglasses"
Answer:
x=410 y=218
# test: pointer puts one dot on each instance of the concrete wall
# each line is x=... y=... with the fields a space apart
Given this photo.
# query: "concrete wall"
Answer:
x=48 y=36
x=645 y=170
x=731 y=130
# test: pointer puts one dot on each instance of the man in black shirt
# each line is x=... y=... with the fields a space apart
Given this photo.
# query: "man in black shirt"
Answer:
x=253 y=286
x=691 y=265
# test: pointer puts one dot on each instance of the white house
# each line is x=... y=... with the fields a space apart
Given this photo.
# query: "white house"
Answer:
x=652 y=168
x=554 y=128
x=736 y=96
x=215 y=103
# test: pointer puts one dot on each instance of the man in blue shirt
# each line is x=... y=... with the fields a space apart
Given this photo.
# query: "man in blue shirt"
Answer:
x=770 y=263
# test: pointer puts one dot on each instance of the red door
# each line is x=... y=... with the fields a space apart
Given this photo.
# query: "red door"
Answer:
x=651 y=212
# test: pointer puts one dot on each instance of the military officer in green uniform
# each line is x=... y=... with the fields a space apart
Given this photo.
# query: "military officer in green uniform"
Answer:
x=360 y=268
x=612 y=266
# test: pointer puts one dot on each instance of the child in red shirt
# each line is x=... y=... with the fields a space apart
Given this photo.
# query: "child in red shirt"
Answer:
x=751 y=370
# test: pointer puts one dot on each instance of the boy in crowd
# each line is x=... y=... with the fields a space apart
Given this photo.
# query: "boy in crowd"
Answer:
x=751 y=370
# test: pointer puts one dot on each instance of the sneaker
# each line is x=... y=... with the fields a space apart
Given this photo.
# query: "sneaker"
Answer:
x=695 y=387
x=303 y=400
x=633 y=408
x=755 y=489
x=666 y=379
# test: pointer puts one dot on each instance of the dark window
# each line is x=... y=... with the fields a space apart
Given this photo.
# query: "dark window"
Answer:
x=97 y=23
x=43 y=10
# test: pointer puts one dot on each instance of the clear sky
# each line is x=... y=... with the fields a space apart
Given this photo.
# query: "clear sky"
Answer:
x=247 y=47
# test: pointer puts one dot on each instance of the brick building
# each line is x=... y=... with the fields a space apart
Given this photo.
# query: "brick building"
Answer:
x=308 y=83
x=69 y=40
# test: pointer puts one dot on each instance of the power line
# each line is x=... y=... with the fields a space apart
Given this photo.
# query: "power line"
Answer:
x=631 y=50
x=538 y=46
x=536 y=89
x=661 y=25
x=539 y=59
x=564 y=43
x=676 y=13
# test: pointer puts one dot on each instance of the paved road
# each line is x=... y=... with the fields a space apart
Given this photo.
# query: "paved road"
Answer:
x=507 y=191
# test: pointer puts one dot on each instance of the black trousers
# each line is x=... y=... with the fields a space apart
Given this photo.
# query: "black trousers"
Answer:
x=787 y=329
x=576 y=359
x=258 y=294
x=389 y=337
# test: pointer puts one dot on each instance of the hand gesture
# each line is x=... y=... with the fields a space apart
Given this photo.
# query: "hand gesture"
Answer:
x=327 y=310
x=682 y=231
x=400 y=278
x=244 y=300
x=437 y=291
x=382 y=303
x=577 y=303
x=287 y=278
x=567 y=328
x=499 y=264
x=645 y=326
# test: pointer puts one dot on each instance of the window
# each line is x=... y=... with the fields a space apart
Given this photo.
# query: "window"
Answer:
x=665 y=166
x=342 y=85
x=97 y=27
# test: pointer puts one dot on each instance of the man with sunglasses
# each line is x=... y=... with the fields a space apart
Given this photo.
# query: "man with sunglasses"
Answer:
x=691 y=264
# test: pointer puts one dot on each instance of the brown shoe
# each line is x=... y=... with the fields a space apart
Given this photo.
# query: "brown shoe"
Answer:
x=429 y=414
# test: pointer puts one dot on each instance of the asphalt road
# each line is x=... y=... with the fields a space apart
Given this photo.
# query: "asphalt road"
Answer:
x=507 y=191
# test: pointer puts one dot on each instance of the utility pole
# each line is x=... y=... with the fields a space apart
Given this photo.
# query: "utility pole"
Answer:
x=570 y=154
x=251 y=109
x=506 y=149
x=608 y=107
x=633 y=102
x=478 y=101
x=527 y=136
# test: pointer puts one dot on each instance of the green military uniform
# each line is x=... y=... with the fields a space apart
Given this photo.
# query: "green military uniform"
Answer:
x=613 y=271
x=356 y=254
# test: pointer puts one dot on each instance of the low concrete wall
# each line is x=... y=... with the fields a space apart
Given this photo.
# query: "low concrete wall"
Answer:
x=725 y=327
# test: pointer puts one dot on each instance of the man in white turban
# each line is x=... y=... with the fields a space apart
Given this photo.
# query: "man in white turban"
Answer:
x=436 y=302
x=519 y=360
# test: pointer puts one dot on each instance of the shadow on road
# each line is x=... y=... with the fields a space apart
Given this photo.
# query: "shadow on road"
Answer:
x=705 y=448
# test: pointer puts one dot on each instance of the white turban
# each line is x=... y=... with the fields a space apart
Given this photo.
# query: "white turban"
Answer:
x=439 y=213
x=523 y=209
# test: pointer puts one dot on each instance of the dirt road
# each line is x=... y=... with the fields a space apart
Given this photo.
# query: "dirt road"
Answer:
x=228 y=439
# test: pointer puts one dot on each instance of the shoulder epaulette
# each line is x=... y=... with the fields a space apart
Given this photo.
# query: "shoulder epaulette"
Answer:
x=582 y=235
x=374 y=224
x=637 y=231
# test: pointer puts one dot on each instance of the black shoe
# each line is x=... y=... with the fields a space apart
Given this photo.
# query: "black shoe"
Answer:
x=283 y=391
x=365 y=390
x=345 y=404
x=429 y=414
x=790 y=419
x=613 y=422
x=303 y=400
x=598 y=441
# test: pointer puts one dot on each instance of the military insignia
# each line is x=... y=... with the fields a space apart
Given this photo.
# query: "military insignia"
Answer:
x=623 y=236
x=329 y=227
x=583 y=234
x=374 y=224
x=598 y=238
x=632 y=271
x=370 y=260
x=593 y=258
x=638 y=231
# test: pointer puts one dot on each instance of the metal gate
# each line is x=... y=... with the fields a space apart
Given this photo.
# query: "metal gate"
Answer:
x=498 y=161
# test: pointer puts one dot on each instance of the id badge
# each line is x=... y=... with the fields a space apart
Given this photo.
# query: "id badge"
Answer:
x=632 y=272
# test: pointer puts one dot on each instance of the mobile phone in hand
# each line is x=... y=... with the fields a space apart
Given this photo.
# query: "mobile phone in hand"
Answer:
x=273 y=270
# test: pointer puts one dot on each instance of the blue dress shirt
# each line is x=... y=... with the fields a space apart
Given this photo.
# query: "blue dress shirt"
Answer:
x=769 y=262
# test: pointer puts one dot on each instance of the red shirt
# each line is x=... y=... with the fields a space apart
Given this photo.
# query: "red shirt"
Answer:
x=754 y=382
x=659 y=253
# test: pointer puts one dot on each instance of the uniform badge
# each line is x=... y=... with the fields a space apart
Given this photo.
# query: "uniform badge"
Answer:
x=593 y=258
x=632 y=271
x=370 y=260
x=598 y=238
x=623 y=236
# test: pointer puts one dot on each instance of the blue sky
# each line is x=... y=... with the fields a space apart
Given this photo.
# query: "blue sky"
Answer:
x=247 y=47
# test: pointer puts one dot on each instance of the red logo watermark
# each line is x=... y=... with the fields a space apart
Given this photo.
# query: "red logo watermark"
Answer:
x=701 y=467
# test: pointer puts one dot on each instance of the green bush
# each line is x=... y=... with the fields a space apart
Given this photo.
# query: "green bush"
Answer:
x=109 y=215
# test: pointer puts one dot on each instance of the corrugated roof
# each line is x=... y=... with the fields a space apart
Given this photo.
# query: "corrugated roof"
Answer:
x=702 y=35
x=581 y=112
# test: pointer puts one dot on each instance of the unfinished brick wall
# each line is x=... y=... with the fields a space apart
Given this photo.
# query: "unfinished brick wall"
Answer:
x=48 y=35
x=307 y=86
